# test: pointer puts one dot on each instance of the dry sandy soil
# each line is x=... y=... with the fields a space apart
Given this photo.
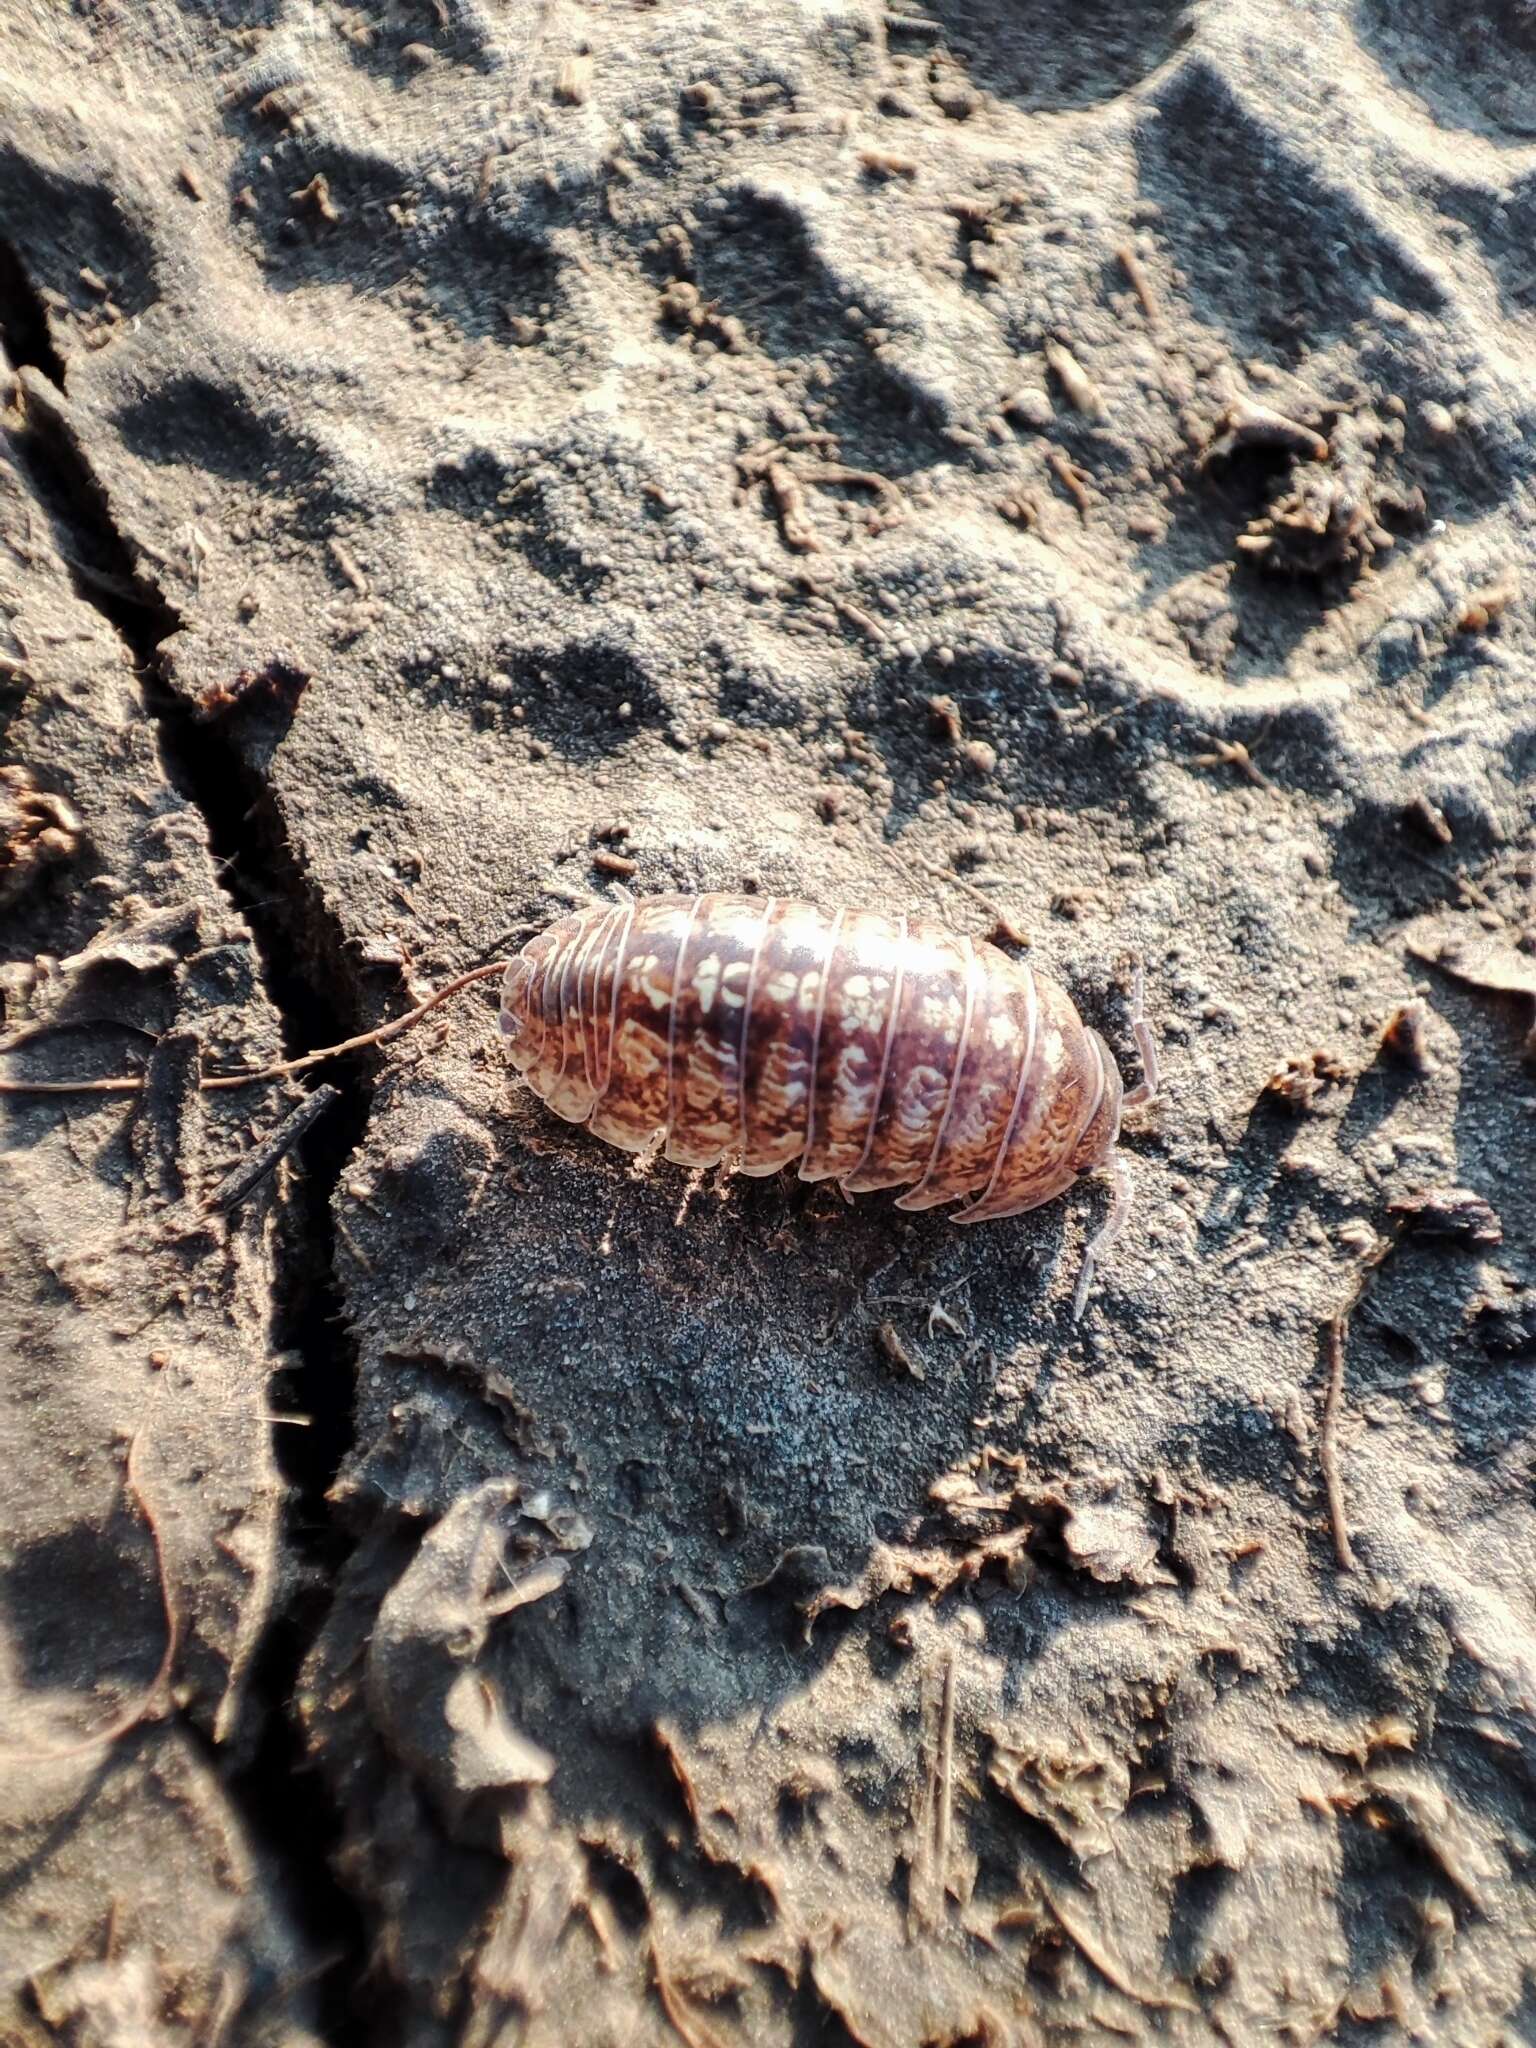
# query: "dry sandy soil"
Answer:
x=1063 y=465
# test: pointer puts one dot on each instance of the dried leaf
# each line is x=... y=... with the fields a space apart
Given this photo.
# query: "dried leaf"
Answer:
x=1114 y=1545
x=1454 y=1213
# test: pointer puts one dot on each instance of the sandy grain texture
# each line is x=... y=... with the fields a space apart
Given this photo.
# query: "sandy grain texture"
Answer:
x=1066 y=463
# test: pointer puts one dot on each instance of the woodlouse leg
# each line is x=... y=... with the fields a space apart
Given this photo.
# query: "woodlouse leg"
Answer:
x=1146 y=1088
x=1113 y=1224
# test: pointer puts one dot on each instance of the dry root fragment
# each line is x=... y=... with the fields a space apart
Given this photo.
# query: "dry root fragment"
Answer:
x=794 y=513
x=277 y=685
x=1325 y=525
x=1233 y=754
x=349 y=566
x=945 y=713
x=1260 y=425
x=1429 y=819
x=772 y=465
x=1075 y=381
x=1327 y=1433
x=881 y=163
x=1022 y=509
x=1139 y=282
x=38 y=831
x=899 y=1353
x=1302 y=1077
x=1073 y=480
x=617 y=864
x=1318 y=526
x=573 y=86
x=316 y=198
x=683 y=305
x=862 y=479
x=1405 y=1036
x=1485 y=607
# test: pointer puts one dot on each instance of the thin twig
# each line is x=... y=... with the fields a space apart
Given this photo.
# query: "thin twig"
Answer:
x=944 y=1801
x=1327 y=1438
x=261 y=1159
x=1337 y=1333
x=1071 y=479
x=1233 y=754
x=131 y=1084
x=1139 y=282
x=687 y=2028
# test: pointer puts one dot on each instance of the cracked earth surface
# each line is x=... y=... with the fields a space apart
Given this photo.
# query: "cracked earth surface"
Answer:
x=1070 y=465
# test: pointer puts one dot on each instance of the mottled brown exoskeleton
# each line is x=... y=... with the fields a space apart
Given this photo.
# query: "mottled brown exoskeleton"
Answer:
x=879 y=1052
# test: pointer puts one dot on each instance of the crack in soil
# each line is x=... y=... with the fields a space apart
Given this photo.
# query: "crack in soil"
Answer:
x=305 y=975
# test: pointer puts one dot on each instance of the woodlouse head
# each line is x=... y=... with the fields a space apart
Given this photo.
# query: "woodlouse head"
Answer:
x=1102 y=1130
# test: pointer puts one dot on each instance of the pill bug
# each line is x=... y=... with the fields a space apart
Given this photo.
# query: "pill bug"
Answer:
x=878 y=1052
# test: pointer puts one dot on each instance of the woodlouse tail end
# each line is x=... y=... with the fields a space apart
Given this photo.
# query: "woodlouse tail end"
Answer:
x=1100 y=1134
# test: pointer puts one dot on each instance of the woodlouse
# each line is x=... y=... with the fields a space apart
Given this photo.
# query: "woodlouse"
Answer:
x=879 y=1052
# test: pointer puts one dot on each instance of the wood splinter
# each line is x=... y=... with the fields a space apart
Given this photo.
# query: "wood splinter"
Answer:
x=263 y=1159
x=1074 y=380
x=1139 y=283
x=1072 y=480
x=1336 y=1333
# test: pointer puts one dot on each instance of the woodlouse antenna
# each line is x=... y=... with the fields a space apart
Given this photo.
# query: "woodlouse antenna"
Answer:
x=1146 y=1089
x=1099 y=1245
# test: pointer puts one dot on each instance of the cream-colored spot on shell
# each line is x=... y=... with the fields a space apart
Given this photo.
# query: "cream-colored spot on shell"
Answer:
x=941 y=1013
x=636 y=1051
x=1002 y=1031
x=706 y=982
x=810 y=989
x=862 y=1003
x=733 y=983
x=1051 y=1049
x=656 y=988
x=781 y=986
